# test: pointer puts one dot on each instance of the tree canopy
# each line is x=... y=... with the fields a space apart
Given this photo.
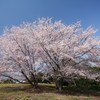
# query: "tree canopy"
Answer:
x=50 y=47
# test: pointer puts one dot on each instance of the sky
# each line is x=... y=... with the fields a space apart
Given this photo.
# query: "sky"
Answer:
x=15 y=12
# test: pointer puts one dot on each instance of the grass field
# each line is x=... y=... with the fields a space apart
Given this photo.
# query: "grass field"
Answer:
x=45 y=92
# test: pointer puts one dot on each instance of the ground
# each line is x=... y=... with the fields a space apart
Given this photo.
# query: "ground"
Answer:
x=45 y=92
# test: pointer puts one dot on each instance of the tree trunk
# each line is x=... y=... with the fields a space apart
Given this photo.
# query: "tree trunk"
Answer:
x=74 y=82
x=59 y=84
x=27 y=78
x=35 y=80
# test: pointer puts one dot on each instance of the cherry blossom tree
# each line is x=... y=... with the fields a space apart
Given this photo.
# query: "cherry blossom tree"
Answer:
x=19 y=53
x=65 y=51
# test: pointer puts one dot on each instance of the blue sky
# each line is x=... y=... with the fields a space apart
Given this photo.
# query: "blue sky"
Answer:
x=14 y=12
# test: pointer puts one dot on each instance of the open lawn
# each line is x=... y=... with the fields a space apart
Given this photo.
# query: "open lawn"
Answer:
x=45 y=92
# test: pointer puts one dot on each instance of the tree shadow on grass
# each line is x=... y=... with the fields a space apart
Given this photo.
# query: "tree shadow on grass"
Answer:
x=71 y=90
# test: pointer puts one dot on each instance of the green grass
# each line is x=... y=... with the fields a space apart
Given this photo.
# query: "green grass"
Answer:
x=46 y=92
